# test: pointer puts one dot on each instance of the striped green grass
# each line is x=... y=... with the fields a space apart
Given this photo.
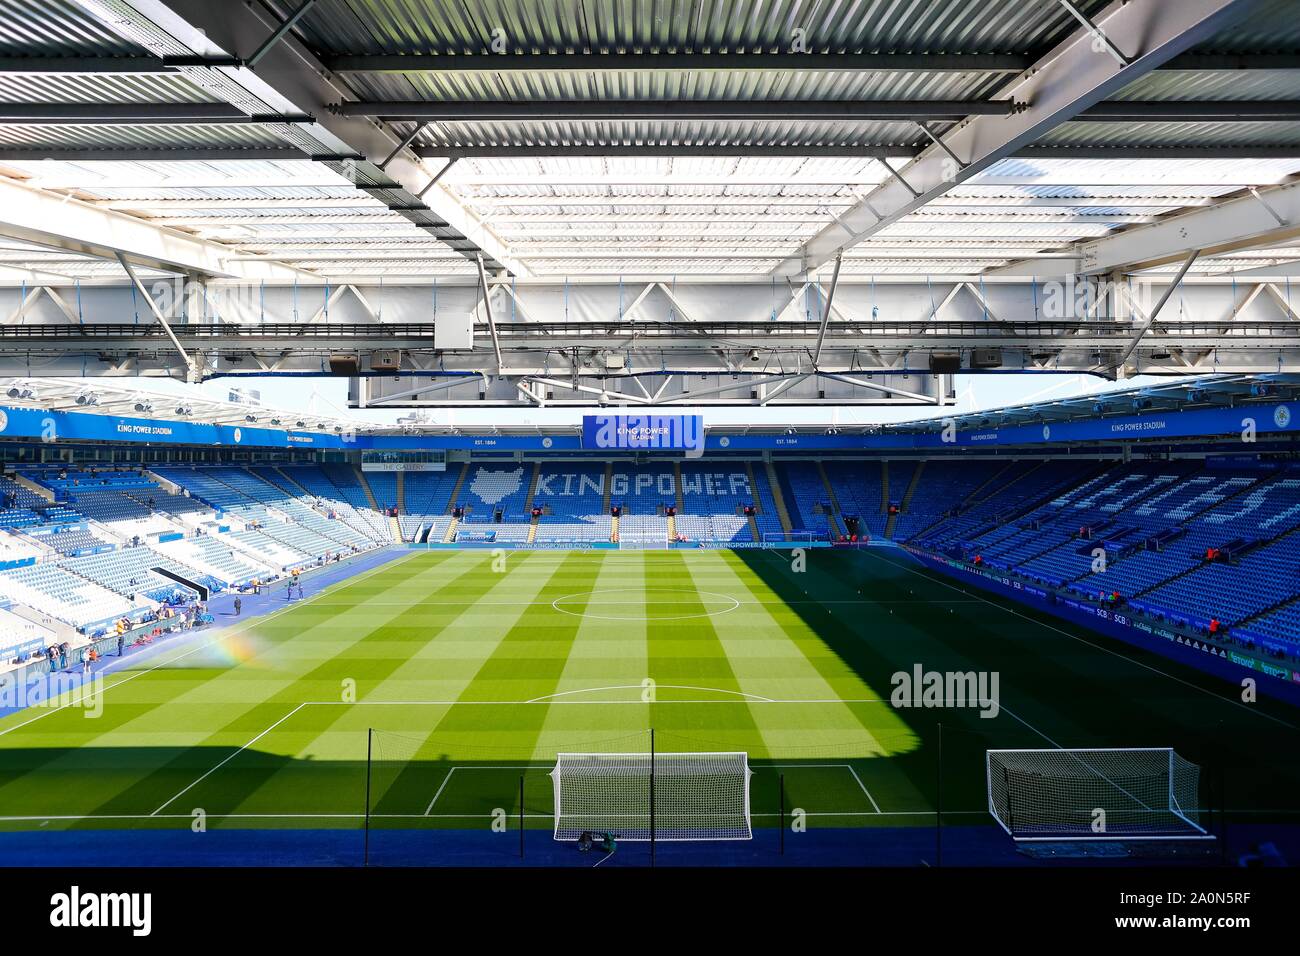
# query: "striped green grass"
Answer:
x=460 y=672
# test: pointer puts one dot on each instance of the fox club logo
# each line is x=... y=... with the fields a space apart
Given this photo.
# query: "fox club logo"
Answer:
x=1281 y=416
x=4 y=419
x=493 y=486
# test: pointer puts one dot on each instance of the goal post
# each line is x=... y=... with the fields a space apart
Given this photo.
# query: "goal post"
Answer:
x=696 y=796
x=1148 y=793
x=635 y=543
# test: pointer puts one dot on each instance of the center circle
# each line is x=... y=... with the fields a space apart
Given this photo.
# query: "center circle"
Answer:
x=640 y=604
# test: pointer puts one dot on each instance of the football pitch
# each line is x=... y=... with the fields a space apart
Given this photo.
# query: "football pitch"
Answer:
x=434 y=692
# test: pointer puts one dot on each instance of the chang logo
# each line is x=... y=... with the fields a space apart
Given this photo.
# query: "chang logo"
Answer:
x=1281 y=417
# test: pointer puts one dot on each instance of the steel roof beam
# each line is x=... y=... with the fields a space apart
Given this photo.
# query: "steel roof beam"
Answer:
x=669 y=150
x=198 y=154
x=659 y=61
x=664 y=61
x=1069 y=79
x=1191 y=111
x=289 y=80
x=139 y=114
x=453 y=111
x=207 y=154
x=653 y=61
x=1248 y=222
x=63 y=223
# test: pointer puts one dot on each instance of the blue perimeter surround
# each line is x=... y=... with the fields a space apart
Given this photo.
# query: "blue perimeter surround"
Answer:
x=963 y=845
x=1263 y=418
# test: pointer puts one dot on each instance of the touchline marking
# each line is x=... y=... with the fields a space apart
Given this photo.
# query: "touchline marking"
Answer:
x=254 y=622
x=213 y=641
x=230 y=757
x=1107 y=650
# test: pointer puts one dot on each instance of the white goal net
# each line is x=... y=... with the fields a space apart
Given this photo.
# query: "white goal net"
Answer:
x=695 y=796
x=1111 y=794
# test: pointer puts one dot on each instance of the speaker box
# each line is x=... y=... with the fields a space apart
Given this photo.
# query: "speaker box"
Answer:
x=388 y=360
x=945 y=363
x=344 y=363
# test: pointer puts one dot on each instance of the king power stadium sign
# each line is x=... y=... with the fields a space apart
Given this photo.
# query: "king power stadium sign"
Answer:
x=645 y=432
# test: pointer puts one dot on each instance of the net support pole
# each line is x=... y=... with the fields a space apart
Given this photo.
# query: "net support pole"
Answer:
x=652 y=796
x=521 y=816
x=1223 y=814
x=370 y=733
x=782 y=788
x=938 y=802
x=1011 y=810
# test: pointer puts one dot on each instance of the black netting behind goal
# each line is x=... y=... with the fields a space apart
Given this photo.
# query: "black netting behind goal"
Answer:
x=1094 y=794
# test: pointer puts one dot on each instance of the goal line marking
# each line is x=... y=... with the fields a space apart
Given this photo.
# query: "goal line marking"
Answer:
x=352 y=815
x=542 y=764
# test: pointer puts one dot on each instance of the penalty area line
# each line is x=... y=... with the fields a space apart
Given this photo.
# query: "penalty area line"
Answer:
x=229 y=758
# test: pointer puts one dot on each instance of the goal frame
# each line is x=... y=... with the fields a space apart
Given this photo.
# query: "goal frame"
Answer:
x=1196 y=831
x=652 y=761
x=643 y=544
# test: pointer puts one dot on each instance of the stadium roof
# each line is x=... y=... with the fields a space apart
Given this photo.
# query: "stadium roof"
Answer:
x=105 y=397
x=1208 y=391
x=351 y=138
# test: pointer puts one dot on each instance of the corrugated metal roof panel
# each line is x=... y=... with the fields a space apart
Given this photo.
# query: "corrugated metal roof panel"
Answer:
x=412 y=26
x=1174 y=134
x=743 y=86
x=170 y=136
x=100 y=88
x=57 y=28
x=701 y=133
